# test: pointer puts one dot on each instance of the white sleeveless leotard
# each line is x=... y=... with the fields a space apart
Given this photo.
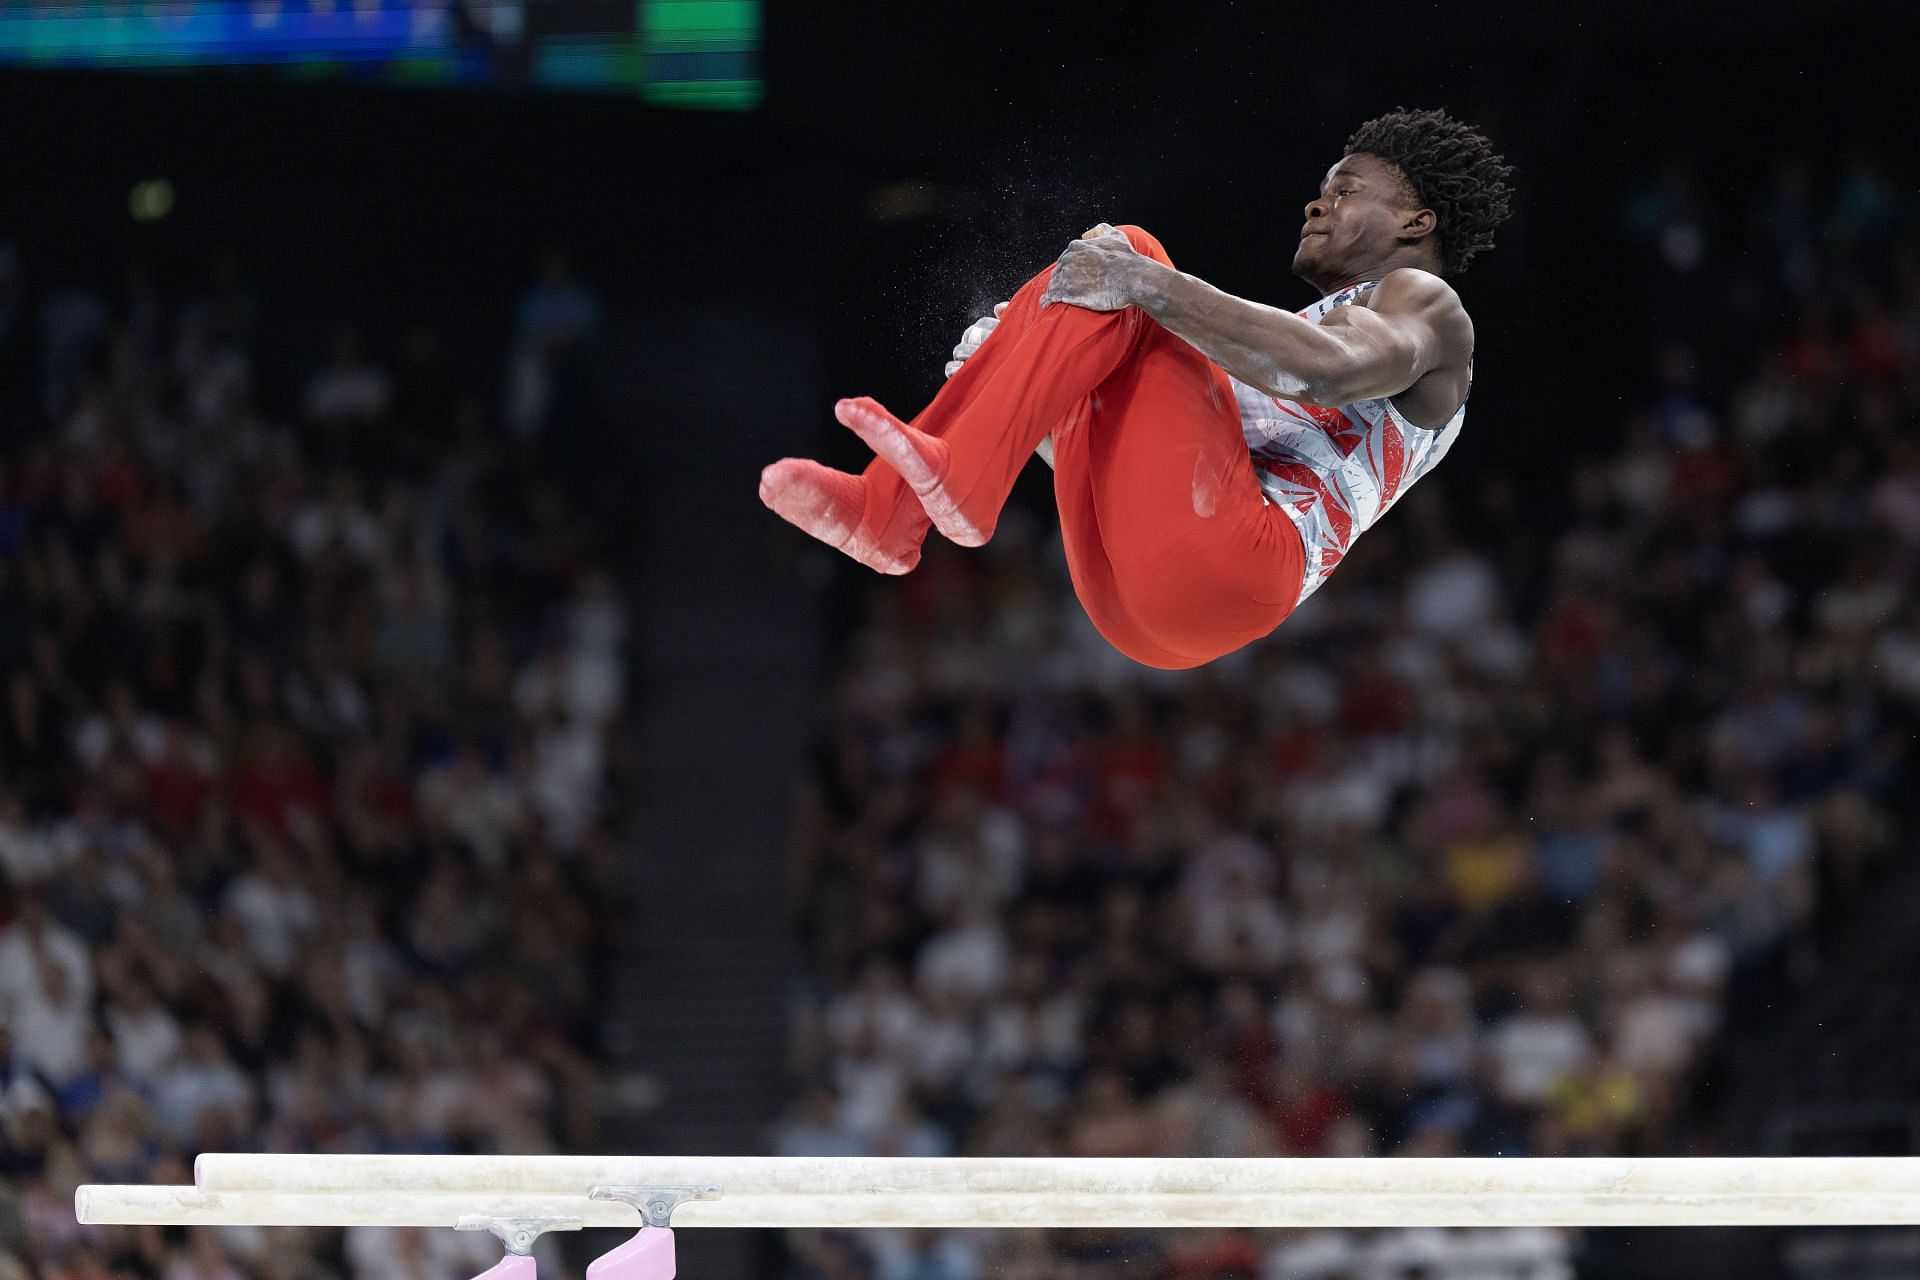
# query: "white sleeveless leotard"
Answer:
x=1334 y=471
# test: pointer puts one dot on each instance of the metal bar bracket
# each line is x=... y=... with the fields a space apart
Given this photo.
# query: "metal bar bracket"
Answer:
x=656 y=1204
x=518 y=1234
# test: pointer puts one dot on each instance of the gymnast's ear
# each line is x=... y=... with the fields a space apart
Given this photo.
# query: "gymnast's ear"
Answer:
x=1418 y=225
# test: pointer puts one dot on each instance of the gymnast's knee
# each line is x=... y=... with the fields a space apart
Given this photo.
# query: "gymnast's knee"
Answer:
x=1145 y=242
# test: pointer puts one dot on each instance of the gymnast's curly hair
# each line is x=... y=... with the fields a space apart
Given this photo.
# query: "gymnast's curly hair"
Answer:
x=1453 y=171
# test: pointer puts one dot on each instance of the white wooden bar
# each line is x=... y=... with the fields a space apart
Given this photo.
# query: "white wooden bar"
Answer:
x=863 y=1192
x=192 y=1207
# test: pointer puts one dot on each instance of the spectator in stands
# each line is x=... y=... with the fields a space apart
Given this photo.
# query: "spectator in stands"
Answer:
x=286 y=706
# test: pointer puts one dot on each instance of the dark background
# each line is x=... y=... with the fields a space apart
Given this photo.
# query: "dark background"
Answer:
x=925 y=160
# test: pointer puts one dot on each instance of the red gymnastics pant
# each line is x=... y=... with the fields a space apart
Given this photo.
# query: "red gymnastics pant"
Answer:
x=1174 y=552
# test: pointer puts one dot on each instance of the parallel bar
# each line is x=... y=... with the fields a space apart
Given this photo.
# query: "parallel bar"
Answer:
x=191 y=1207
x=772 y=1192
x=1606 y=1178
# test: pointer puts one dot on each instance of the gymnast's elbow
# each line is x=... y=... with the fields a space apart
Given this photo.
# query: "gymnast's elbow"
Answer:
x=1347 y=382
x=1304 y=386
x=1323 y=374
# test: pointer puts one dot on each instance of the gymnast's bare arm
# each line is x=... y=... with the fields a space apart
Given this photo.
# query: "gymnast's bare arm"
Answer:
x=1412 y=335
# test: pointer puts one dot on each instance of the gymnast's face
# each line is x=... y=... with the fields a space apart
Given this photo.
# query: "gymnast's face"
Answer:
x=1364 y=213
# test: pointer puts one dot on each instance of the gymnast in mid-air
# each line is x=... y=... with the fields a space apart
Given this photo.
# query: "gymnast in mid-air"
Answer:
x=1214 y=458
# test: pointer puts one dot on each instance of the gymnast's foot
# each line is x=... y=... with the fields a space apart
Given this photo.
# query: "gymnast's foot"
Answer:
x=831 y=505
x=920 y=459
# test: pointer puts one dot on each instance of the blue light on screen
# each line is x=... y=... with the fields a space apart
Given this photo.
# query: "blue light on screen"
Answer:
x=686 y=53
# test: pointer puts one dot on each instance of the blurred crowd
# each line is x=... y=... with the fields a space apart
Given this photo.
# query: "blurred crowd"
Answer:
x=312 y=691
x=1478 y=854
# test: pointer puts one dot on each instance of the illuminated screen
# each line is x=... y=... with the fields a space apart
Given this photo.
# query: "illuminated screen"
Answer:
x=687 y=53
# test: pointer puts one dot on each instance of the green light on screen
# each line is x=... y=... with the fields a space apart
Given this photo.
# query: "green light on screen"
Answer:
x=703 y=54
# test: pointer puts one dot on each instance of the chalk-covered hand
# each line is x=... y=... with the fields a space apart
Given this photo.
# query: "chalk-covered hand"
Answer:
x=970 y=340
x=1098 y=272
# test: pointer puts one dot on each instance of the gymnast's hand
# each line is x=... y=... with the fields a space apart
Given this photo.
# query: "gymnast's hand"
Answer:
x=1097 y=272
x=975 y=335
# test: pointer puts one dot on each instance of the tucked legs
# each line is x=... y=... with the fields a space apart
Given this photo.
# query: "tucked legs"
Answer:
x=1174 y=552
